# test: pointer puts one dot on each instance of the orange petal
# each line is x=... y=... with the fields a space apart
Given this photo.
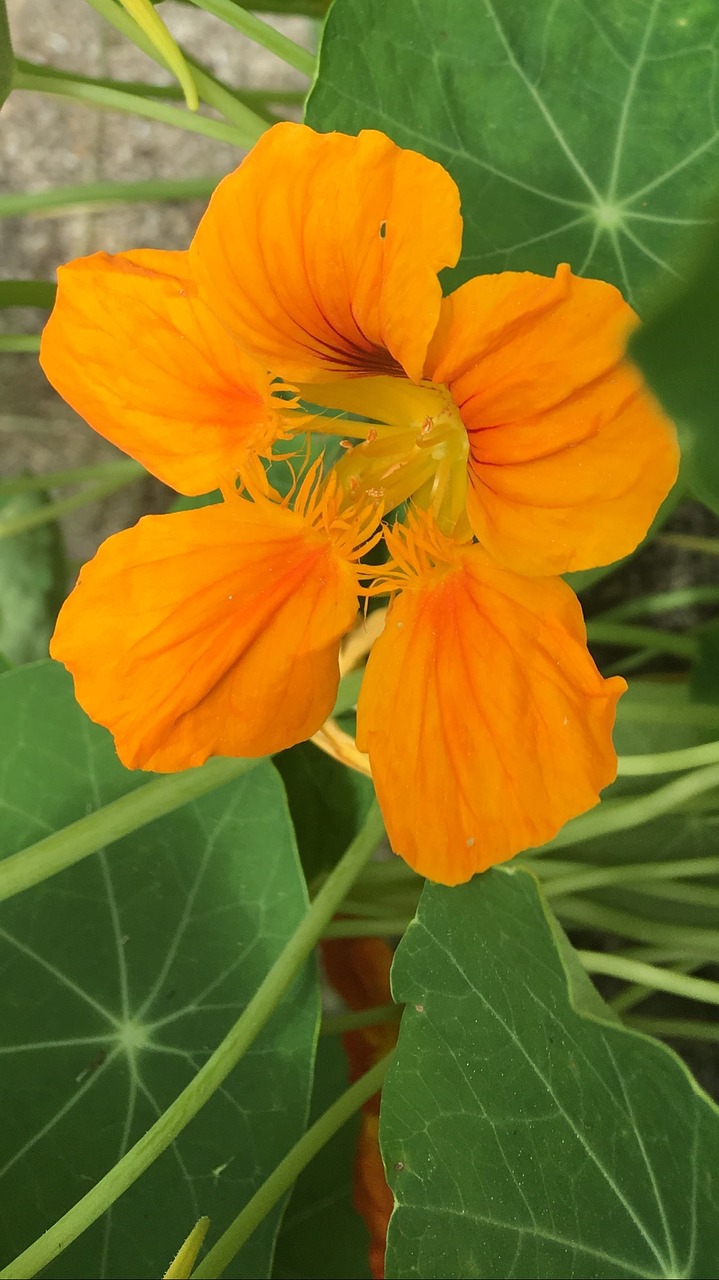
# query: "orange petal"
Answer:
x=208 y=632
x=321 y=252
x=570 y=456
x=132 y=348
x=486 y=721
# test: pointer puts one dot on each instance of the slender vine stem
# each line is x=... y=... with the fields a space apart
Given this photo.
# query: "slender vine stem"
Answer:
x=45 y=858
x=218 y=1066
x=679 y=984
x=261 y=33
x=593 y=915
x=374 y=928
x=336 y=1024
x=134 y=104
x=289 y=1169
x=583 y=878
x=74 y=475
x=621 y=815
x=679 y=1028
x=680 y=646
x=13 y=525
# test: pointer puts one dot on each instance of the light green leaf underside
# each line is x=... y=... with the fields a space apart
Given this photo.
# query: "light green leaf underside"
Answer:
x=120 y=976
x=521 y=1137
x=576 y=132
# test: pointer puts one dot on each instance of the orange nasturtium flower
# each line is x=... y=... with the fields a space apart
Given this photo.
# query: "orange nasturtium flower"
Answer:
x=501 y=420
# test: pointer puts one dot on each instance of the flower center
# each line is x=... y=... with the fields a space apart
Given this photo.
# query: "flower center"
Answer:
x=413 y=444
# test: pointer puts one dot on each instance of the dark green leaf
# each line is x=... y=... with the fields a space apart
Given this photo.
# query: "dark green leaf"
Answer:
x=676 y=351
x=32 y=581
x=6 y=54
x=576 y=132
x=328 y=803
x=120 y=976
x=322 y=1236
x=523 y=1138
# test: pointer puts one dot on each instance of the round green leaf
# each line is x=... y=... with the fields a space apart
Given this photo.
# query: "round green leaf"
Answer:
x=521 y=1136
x=576 y=132
x=120 y=976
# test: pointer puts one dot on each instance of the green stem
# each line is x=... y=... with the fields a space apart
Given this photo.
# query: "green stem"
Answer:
x=70 y=844
x=133 y=104
x=678 y=984
x=105 y=193
x=217 y=1068
x=336 y=1024
x=679 y=1028
x=642 y=637
x=27 y=293
x=366 y=928
x=584 y=878
x=75 y=475
x=211 y=90
x=579 y=912
x=261 y=33
x=53 y=510
x=141 y=87
x=659 y=602
x=668 y=761
x=621 y=815
x=690 y=542
x=20 y=342
x=288 y=1170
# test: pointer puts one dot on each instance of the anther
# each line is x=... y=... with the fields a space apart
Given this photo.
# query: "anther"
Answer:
x=371 y=435
x=346 y=444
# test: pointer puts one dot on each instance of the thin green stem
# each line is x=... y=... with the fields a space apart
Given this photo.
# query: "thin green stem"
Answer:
x=11 y=527
x=288 y=1170
x=631 y=662
x=153 y=800
x=133 y=104
x=27 y=293
x=336 y=1024
x=642 y=637
x=141 y=87
x=261 y=33
x=20 y=342
x=583 y=913
x=678 y=984
x=659 y=602
x=75 y=475
x=668 y=761
x=367 y=928
x=211 y=90
x=621 y=815
x=676 y=1028
x=215 y=1071
x=635 y=873
x=56 y=199
x=690 y=542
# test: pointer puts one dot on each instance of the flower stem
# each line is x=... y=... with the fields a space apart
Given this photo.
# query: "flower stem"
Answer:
x=642 y=637
x=648 y=975
x=620 y=815
x=209 y=1078
x=261 y=33
x=585 y=914
x=39 y=861
x=9 y=528
x=633 y=874
x=336 y=1024
x=16 y=203
x=366 y=928
x=74 y=475
x=135 y=104
x=283 y=1177
x=681 y=1028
